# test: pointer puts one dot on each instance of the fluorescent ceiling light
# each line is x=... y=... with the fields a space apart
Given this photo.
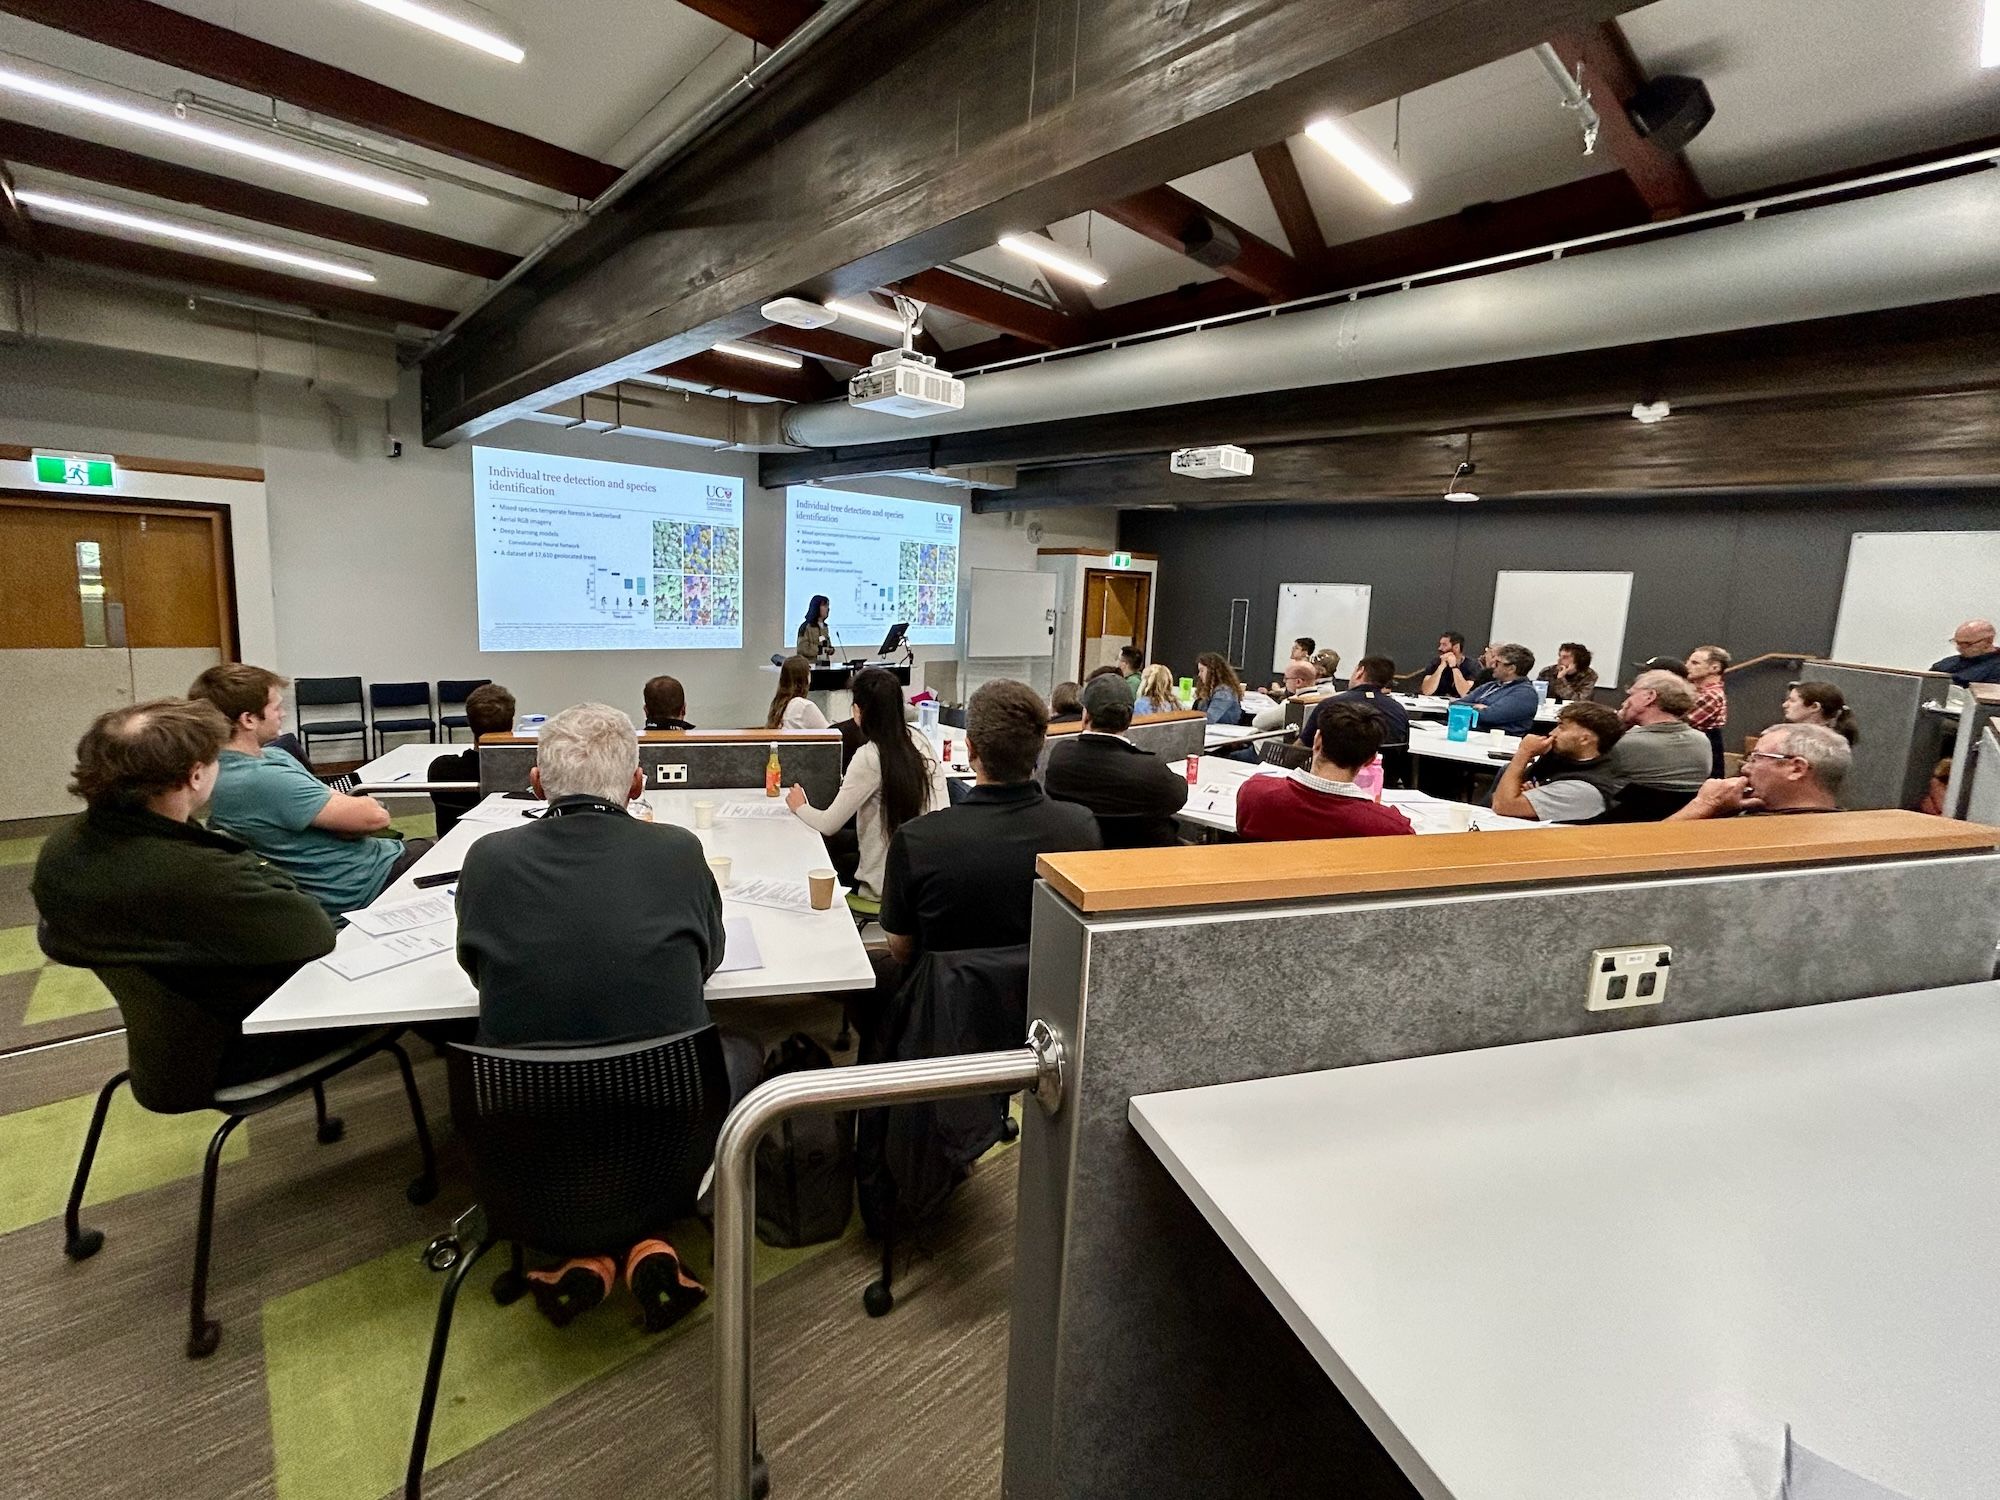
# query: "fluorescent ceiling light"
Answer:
x=432 y=19
x=13 y=81
x=1046 y=254
x=776 y=357
x=186 y=233
x=1346 y=148
x=1989 y=46
x=861 y=312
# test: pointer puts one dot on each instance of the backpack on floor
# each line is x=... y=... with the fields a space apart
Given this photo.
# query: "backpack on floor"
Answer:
x=805 y=1165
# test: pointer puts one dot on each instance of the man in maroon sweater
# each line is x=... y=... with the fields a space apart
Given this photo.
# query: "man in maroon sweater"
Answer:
x=1324 y=802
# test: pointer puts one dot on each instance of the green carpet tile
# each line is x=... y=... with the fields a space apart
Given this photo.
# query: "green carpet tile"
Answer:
x=57 y=992
x=19 y=851
x=39 y=1148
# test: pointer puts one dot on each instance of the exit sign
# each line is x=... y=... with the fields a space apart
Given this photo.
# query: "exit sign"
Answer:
x=75 y=471
x=1121 y=559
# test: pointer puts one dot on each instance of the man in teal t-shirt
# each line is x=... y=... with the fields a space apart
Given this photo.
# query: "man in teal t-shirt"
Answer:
x=323 y=839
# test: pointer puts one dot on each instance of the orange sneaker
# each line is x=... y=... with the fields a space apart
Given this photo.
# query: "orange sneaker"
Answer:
x=665 y=1291
x=574 y=1287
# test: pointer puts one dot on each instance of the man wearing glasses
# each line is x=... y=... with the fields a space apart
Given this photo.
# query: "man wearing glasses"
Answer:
x=1796 y=768
x=1976 y=659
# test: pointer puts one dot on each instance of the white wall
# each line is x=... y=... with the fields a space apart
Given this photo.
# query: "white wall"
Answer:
x=371 y=558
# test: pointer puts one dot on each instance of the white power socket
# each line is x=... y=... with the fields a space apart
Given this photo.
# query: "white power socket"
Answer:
x=1629 y=976
x=668 y=774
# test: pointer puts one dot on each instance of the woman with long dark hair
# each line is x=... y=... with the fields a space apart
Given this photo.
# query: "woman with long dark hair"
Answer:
x=1217 y=691
x=790 y=707
x=815 y=636
x=1821 y=703
x=894 y=777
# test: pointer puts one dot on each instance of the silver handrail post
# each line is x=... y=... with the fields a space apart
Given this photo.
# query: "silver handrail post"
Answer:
x=1038 y=1067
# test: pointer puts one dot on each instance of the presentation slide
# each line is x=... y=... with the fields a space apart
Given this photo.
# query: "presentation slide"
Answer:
x=575 y=554
x=878 y=560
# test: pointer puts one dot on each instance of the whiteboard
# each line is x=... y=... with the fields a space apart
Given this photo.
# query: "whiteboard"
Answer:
x=1013 y=614
x=1542 y=610
x=1906 y=591
x=1335 y=615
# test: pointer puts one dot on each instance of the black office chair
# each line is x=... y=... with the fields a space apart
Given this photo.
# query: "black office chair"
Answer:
x=330 y=692
x=178 y=1062
x=383 y=695
x=575 y=1151
x=452 y=690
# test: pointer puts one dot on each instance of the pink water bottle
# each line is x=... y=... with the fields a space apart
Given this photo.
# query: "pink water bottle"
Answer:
x=1369 y=778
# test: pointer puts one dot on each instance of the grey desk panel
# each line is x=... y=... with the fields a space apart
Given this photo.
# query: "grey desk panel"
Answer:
x=814 y=764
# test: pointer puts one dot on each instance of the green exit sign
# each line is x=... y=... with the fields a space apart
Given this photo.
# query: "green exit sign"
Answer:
x=1121 y=559
x=76 y=471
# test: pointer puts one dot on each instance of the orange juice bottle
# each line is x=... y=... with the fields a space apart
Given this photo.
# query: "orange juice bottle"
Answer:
x=772 y=774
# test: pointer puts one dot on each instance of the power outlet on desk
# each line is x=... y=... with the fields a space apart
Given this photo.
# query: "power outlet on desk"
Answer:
x=1629 y=976
x=669 y=775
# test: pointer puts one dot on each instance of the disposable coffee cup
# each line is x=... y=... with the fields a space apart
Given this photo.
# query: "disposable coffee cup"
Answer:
x=718 y=865
x=704 y=813
x=820 y=883
x=1455 y=816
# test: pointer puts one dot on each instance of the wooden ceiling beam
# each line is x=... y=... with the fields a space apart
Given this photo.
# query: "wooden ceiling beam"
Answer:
x=748 y=377
x=818 y=343
x=61 y=242
x=1612 y=75
x=766 y=22
x=1289 y=200
x=1169 y=217
x=32 y=146
x=1001 y=311
x=179 y=40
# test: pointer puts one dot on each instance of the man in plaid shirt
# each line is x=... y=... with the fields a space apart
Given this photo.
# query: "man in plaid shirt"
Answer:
x=1705 y=667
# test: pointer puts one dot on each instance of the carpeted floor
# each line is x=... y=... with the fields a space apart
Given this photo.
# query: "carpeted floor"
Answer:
x=326 y=1311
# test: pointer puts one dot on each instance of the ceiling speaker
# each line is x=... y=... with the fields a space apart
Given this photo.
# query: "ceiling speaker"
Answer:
x=1671 y=110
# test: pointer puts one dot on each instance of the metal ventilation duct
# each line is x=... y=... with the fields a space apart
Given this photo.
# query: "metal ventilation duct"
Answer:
x=1930 y=243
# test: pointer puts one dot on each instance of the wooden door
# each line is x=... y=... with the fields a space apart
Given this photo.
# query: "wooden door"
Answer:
x=1114 y=616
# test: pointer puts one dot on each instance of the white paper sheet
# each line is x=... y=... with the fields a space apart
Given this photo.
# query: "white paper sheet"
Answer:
x=359 y=960
x=1810 y=1477
x=507 y=812
x=406 y=916
x=739 y=950
x=784 y=895
x=770 y=807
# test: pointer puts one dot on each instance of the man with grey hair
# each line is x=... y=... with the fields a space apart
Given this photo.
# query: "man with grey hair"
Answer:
x=1507 y=702
x=1796 y=768
x=588 y=927
x=1973 y=657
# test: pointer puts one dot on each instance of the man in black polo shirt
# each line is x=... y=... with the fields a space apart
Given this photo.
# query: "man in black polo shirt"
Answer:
x=964 y=877
x=1132 y=792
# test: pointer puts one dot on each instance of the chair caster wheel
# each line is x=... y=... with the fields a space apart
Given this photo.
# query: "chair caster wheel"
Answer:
x=332 y=1130
x=422 y=1190
x=442 y=1253
x=509 y=1288
x=202 y=1344
x=1010 y=1129
x=877 y=1299
x=760 y=1477
x=86 y=1244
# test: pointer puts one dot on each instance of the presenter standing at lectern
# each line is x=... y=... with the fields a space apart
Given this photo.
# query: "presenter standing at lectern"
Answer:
x=815 y=638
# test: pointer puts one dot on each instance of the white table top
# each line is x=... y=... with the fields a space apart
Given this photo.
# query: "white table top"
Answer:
x=1617 y=1265
x=1480 y=747
x=803 y=952
x=1436 y=706
x=407 y=762
x=1212 y=801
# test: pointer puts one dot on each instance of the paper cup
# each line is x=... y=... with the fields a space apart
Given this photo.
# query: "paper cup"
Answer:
x=718 y=865
x=820 y=883
x=1454 y=817
x=704 y=813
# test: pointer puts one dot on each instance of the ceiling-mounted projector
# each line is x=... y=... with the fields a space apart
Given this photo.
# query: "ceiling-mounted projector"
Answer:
x=904 y=383
x=1224 y=462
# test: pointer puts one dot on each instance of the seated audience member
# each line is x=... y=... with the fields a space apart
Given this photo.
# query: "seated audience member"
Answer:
x=137 y=881
x=588 y=928
x=1935 y=791
x=1322 y=802
x=489 y=709
x=1796 y=768
x=1562 y=777
x=965 y=877
x=1822 y=703
x=323 y=839
x=1217 y=692
x=790 y=707
x=1660 y=760
x=1303 y=648
x=894 y=778
x=1158 y=692
x=1705 y=666
x=667 y=704
x=1449 y=674
x=1299 y=676
x=1570 y=680
x=1132 y=663
x=1066 y=703
x=1975 y=659
x=1369 y=687
x=1326 y=667
x=1508 y=701
x=1673 y=664
x=1109 y=669
x=1133 y=793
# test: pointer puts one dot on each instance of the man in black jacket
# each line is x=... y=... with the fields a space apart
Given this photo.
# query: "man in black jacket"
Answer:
x=136 y=881
x=1133 y=793
x=489 y=709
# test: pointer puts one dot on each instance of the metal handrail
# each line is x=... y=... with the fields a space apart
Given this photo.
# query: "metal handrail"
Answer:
x=1038 y=1067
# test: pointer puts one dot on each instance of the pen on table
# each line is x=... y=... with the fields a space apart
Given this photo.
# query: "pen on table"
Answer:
x=404 y=776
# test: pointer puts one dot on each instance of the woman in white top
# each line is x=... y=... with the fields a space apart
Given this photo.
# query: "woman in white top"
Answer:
x=791 y=708
x=894 y=777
